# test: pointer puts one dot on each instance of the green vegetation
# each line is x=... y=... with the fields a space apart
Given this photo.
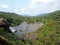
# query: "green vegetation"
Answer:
x=49 y=34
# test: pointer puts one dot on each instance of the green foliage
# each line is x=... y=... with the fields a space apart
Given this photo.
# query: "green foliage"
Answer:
x=49 y=34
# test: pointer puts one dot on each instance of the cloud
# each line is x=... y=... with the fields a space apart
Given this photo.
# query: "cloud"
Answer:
x=7 y=8
x=43 y=1
x=15 y=10
x=24 y=11
x=43 y=6
x=39 y=2
x=35 y=7
x=4 y=6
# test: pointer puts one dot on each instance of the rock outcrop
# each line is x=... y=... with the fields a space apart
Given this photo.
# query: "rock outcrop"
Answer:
x=4 y=23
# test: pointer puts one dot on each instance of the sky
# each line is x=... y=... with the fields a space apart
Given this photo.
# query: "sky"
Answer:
x=29 y=7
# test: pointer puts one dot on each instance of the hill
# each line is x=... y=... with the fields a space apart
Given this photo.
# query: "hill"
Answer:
x=49 y=34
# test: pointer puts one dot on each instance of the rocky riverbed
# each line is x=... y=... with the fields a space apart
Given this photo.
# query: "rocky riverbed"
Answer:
x=25 y=28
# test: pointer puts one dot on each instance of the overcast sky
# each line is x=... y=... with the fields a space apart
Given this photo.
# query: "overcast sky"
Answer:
x=29 y=7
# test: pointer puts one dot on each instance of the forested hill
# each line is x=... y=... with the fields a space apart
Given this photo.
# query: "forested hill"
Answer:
x=49 y=34
x=54 y=15
x=12 y=17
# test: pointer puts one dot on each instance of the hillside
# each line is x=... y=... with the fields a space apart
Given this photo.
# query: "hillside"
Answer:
x=49 y=34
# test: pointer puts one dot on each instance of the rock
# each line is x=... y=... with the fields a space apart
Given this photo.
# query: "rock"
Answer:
x=5 y=24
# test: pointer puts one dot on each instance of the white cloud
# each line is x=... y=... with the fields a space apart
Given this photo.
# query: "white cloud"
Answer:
x=40 y=6
x=43 y=6
x=24 y=11
x=4 y=6
x=43 y=1
x=39 y=2
x=35 y=7
x=15 y=10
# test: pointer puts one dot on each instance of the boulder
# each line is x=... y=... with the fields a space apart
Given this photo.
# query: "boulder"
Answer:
x=4 y=23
